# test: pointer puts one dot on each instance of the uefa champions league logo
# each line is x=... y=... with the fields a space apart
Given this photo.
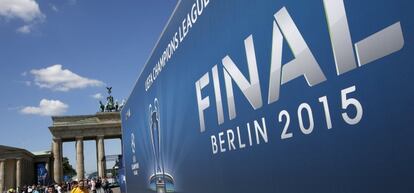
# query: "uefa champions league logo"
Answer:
x=159 y=180
x=135 y=164
x=133 y=143
x=155 y=130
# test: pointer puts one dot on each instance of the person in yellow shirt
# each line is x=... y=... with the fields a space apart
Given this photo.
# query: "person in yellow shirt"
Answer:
x=73 y=186
x=81 y=188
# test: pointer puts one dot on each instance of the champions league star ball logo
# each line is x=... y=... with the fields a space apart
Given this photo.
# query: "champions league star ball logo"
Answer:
x=135 y=164
x=133 y=143
x=160 y=181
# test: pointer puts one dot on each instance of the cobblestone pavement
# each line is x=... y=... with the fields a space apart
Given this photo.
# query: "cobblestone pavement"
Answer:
x=116 y=190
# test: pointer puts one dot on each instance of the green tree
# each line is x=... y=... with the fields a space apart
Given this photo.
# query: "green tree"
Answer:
x=67 y=168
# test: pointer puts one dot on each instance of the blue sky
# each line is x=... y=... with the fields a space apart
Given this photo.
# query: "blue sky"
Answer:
x=55 y=55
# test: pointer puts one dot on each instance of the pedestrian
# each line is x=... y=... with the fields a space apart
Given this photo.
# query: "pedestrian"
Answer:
x=105 y=185
x=81 y=188
x=73 y=186
x=93 y=186
x=99 y=188
x=29 y=189
x=35 y=189
x=58 y=188
x=24 y=189
x=51 y=189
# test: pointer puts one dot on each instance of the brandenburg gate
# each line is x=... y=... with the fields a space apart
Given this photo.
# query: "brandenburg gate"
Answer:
x=79 y=128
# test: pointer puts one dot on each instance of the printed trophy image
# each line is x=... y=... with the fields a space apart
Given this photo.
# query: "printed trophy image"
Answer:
x=160 y=181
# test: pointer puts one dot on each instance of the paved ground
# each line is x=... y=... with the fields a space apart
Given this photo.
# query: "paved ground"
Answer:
x=116 y=190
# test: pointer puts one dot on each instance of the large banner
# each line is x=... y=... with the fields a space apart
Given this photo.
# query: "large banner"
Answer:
x=275 y=96
x=42 y=174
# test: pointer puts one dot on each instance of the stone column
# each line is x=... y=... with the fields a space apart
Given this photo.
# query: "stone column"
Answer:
x=57 y=160
x=100 y=149
x=80 y=168
x=19 y=173
x=2 y=175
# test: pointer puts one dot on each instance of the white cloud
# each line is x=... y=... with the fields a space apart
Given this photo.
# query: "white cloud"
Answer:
x=24 y=29
x=54 y=8
x=46 y=108
x=26 y=10
x=58 y=79
x=97 y=96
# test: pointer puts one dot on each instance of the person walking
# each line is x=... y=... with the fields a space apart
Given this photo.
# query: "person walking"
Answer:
x=93 y=186
x=35 y=189
x=73 y=186
x=98 y=186
x=81 y=188
x=51 y=189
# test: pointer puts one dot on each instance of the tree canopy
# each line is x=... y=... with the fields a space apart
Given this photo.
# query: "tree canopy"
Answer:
x=67 y=168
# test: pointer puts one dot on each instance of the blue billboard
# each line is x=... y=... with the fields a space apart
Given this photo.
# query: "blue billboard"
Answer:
x=275 y=96
x=42 y=174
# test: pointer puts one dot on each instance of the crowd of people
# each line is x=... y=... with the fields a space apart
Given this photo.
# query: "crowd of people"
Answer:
x=83 y=186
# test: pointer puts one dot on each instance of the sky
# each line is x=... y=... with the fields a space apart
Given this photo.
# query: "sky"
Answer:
x=57 y=56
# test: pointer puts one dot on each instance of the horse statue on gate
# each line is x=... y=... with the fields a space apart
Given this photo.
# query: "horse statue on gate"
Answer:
x=111 y=105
